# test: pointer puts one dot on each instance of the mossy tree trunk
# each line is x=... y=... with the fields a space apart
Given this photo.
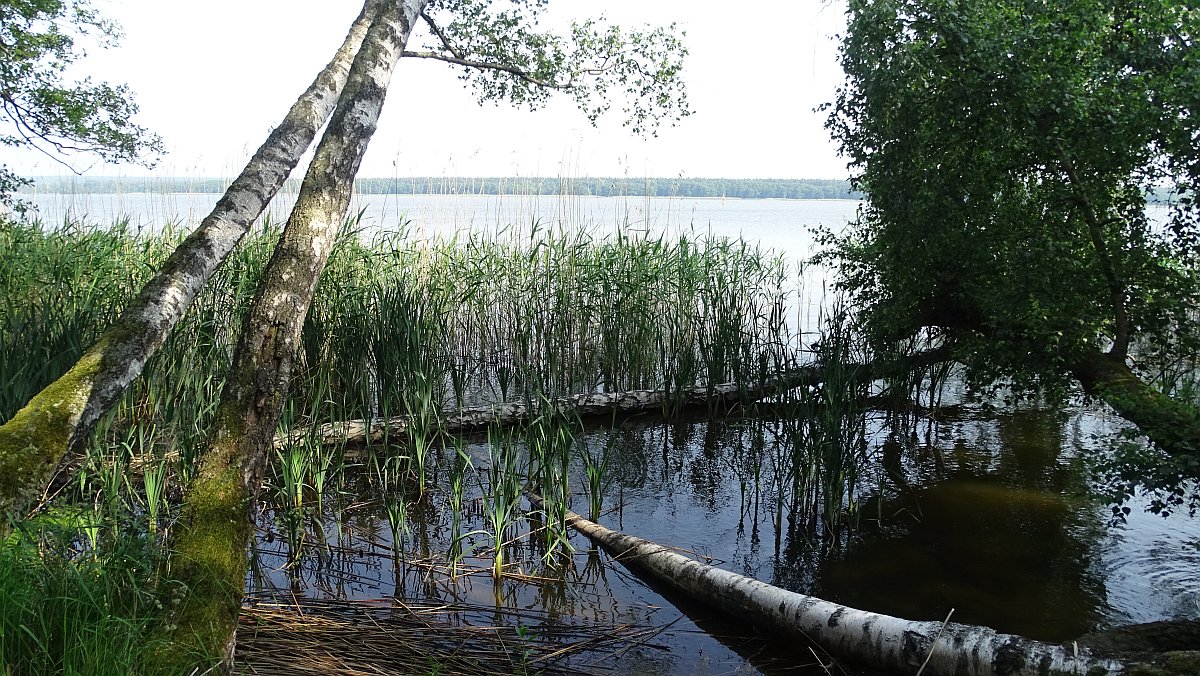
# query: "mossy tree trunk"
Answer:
x=209 y=543
x=1173 y=425
x=60 y=417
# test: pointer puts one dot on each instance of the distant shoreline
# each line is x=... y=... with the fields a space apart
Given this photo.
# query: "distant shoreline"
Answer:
x=730 y=188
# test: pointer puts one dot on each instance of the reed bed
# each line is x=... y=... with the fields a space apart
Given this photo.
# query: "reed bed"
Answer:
x=405 y=326
x=398 y=326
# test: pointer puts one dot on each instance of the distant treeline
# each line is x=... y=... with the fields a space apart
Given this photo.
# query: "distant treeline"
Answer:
x=750 y=188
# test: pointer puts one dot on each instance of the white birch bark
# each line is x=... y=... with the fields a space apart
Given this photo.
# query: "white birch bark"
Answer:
x=872 y=639
x=61 y=416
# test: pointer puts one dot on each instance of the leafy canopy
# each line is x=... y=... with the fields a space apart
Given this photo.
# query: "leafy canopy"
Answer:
x=505 y=56
x=39 y=108
x=1007 y=148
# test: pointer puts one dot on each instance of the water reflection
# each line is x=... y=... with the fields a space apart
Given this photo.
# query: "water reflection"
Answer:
x=984 y=513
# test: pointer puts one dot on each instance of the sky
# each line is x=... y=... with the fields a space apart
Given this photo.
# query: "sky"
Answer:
x=212 y=78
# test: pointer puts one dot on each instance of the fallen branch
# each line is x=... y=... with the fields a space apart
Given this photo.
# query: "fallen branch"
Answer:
x=605 y=404
x=872 y=639
x=584 y=405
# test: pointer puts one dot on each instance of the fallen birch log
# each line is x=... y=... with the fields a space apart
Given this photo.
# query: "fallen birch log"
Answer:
x=603 y=404
x=584 y=405
x=875 y=640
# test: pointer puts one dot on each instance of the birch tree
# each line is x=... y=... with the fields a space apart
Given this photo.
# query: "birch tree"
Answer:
x=209 y=543
x=58 y=420
x=501 y=54
x=893 y=644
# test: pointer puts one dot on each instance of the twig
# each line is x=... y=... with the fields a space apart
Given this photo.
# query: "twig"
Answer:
x=935 y=640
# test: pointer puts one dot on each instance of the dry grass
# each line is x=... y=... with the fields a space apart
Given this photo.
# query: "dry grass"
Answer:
x=357 y=637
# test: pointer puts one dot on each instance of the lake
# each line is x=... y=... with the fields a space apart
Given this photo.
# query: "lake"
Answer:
x=972 y=508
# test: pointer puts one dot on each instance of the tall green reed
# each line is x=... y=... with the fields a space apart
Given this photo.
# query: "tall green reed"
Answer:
x=501 y=495
x=402 y=326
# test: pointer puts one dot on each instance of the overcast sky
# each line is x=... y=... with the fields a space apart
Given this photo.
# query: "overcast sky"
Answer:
x=213 y=77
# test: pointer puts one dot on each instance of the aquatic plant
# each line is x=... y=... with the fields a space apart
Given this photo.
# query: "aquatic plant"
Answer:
x=293 y=470
x=501 y=495
x=596 y=475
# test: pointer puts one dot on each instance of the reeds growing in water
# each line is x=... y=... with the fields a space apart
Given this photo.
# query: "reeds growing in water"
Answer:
x=401 y=326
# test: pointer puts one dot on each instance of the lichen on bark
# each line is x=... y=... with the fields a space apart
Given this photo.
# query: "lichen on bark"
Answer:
x=210 y=542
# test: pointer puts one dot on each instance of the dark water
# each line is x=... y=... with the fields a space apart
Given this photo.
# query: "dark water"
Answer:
x=983 y=513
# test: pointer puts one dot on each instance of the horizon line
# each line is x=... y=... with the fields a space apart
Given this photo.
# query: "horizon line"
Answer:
x=71 y=177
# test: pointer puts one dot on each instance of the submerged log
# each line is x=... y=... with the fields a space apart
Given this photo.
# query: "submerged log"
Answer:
x=873 y=639
x=585 y=405
x=598 y=404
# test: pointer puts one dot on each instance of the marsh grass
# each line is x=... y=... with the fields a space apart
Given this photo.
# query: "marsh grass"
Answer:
x=399 y=326
x=500 y=491
x=68 y=607
x=410 y=326
x=402 y=326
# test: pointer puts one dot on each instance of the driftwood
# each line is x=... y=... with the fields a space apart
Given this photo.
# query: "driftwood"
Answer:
x=871 y=639
x=585 y=405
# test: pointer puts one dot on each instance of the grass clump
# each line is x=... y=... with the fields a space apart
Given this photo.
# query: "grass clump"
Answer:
x=66 y=608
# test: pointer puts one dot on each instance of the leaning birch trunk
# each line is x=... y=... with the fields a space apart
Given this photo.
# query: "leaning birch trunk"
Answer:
x=875 y=640
x=1173 y=424
x=584 y=405
x=60 y=417
x=209 y=543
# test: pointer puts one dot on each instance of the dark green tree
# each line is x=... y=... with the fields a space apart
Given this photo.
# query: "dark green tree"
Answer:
x=41 y=109
x=1007 y=149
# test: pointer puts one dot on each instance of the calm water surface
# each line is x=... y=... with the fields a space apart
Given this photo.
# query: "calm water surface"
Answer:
x=778 y=224
x=983 y=513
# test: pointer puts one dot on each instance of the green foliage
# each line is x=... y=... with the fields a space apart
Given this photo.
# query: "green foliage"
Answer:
x=1006 y=149
x=1132 y=468
x=505 y=57
x=74 y=612
x=39 y=40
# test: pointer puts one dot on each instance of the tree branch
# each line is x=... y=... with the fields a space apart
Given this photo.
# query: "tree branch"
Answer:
x=487 y=65
x=31 y=135
x=1116 y=287
x=441 y=36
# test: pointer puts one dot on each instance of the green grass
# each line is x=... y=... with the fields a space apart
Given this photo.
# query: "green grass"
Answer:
x=74 y=610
